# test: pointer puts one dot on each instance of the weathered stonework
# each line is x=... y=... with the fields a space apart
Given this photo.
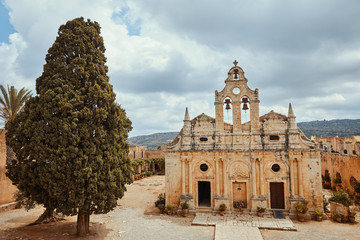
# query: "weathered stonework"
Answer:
x=7 y=190
x=137 y=152
x=265 y=162
x=341 y=155
x=342 y=145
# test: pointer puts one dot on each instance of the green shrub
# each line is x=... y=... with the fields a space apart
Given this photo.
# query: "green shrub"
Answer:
x=318 y=212
x=261 y=209
x=301 y=207
x=170 y=209
x=222 y=207
x=160 y=200
x=184 y=205
x=341 y=197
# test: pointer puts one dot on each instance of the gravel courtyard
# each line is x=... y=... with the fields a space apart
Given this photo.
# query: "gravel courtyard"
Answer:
x=137 y=218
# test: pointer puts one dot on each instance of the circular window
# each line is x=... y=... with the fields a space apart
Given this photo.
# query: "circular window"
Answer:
x=275 y=167
x=204 y=167
x=236 y=90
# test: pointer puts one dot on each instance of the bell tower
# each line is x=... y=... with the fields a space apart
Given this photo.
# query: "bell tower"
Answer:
x=238 y=98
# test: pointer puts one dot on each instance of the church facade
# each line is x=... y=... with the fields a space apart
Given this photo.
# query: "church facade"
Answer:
x=241 y=157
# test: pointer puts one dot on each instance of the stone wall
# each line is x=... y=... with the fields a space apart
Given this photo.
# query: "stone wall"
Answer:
x=347 y=166
x=342 y=145
x=7 y=190
x=154 y=154
x=136 y=152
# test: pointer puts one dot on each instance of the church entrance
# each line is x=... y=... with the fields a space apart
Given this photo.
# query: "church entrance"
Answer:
x=239 y=192
x=204 y=194
x=277 y=195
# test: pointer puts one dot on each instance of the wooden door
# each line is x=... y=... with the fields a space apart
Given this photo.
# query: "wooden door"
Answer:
x=277 y=195
x=239 y=192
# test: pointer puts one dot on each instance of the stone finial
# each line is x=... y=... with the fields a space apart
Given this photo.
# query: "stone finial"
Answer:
x=291 y=112
x=187 y=116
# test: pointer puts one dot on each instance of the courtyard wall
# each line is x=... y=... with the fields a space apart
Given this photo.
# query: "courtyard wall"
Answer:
x=7 y=190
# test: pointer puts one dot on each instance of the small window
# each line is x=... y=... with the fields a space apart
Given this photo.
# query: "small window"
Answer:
x=204 y=167
x=275 y=167
x=274 y=137
x=203 y=139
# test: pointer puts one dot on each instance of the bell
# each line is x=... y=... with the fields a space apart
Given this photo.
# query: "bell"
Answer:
x=245 y=100
x=227 y=102
x=245 y=107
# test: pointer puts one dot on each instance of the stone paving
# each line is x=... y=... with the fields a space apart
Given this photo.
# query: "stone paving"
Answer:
x=225 y=232
x=243 y=227
x=206 y=219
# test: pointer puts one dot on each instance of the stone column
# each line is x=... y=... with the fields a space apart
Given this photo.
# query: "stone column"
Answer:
x=261 y=170
x=254 y=115
x=292 y=182
x=300 y=178
x=219 y=116
x=217 y=177
x=190 y=177
x=183 y=176
x=224 y=177
x=253 y=180
x=236 y=115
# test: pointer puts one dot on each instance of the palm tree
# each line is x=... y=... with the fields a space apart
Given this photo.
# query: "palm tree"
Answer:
x=11 y=103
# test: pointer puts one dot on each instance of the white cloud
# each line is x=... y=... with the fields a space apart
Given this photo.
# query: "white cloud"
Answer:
x=164 y=56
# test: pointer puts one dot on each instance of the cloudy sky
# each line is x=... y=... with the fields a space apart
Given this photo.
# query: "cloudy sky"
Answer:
x=166 y=55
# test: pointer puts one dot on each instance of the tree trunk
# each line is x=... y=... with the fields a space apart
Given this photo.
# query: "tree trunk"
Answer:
x=47 y=216
x=83 y=224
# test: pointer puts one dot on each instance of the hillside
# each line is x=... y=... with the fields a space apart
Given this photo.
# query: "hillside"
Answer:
x=340 y=128
x=152 y=141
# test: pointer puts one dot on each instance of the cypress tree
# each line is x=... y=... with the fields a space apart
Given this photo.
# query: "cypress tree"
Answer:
x=70 y=140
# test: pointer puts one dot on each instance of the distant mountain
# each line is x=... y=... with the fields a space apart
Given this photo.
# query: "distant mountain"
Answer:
x=337 y=127
x=152 y=141
x=340 y=128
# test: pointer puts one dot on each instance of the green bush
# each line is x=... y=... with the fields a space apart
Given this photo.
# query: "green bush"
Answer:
x=184 y=205
x=222 y=207
x=341 y=197
x=301 y=207
x=261 y=209
x=160 y=200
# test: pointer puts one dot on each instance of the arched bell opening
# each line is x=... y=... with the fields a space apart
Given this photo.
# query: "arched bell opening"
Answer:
x=245 y=109
x=228 y=110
